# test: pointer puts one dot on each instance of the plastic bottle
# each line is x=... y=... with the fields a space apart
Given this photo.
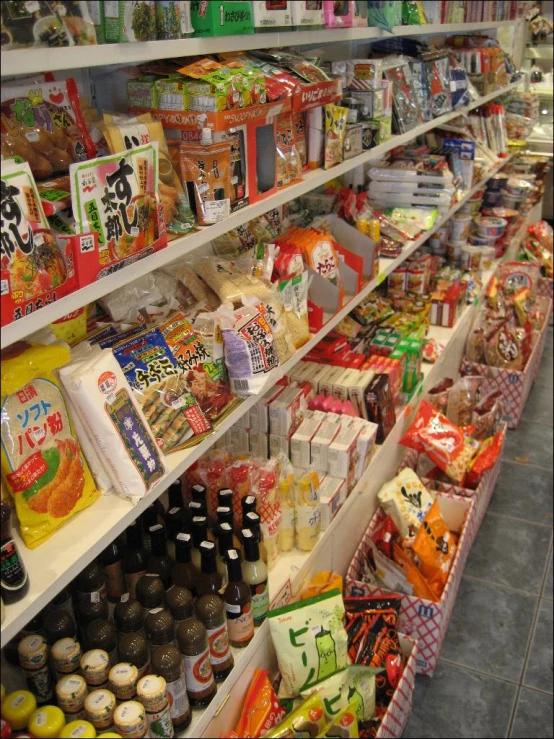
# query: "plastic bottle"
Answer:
x=160 y=562
x=135 y=558
x=14 y=579
x=152 y=693
x=209 y=581
x=210 y=609
x=254 y=573
x=167 y=662
x=183 y=571
x=238 y=603
x=193 y=645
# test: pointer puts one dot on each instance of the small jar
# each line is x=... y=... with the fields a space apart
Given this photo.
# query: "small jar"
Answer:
x=17 y=709
x=71 y=692
x=46 y=722
x=33 y=658
x=133 y=648
x=95 y=667
x=130 y=720
x=65 y=656
x=123 y=681
x=78 y=730
x=99 y=709
x=152 y=693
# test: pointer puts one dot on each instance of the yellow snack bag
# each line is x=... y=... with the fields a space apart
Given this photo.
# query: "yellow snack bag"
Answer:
x=42 y=463
x=345 y=724
x=308 y=720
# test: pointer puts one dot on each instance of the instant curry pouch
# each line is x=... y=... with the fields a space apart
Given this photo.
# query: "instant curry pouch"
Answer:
x=435 y=547
x=42 y=463
x=310 y=641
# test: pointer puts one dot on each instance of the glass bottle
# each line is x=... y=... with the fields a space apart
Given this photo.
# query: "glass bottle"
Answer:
x=179 y=601
x=209 y=581
x=159 y=561
x=33 y=659
x=225 y=515
x=177 y=517
x=92 y=598
x=254 y=572
x=150 y=592
x=101 y=634
x=255 y=525
x=199 y=534
x=129 y=616
x=150 y=517
x=183 y=571
x=225 y=541
x=210 y=609
x=14 y=579
x=193 y=645
x=57 y=625
x=133 y=648
x=225 y=498
x=152 y=693
x=134 y=558
x=112 y=562
x=238 y=603
x=167 y=662
x=248 y=504
x=160 y=628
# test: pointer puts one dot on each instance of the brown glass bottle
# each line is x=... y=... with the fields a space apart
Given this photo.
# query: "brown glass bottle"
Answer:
x=58 y=624
x=199 y=533
x=134 y=558
x=129 y=617
x=225 y=498
x=112 y=562
x=193 y=645
x=14 y=579
x=177 y=517
x=101 y=634
x=238 y=603
x=160 y=628
x=91 y=585
x=150 y=592
x=167 y=662
x=133 y=648
x=179 y=602
x=89 y=612
x=210 y=609
x=183 y=571
x=154 y=514
x=210 y=580
x=159 y=561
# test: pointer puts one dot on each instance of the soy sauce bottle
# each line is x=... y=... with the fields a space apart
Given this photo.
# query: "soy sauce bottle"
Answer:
x=135 y=558
x=160 y=562
x=14 y=577
x=183 y=571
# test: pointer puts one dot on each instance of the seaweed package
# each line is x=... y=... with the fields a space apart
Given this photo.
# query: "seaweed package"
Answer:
x=42 y=122
x=124 y=21
x=42 y=463
x=336 y=118
x=159 y=383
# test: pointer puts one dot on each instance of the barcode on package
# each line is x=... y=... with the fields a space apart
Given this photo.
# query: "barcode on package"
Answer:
x=4 y=287
x=240 y=384
x=87 y=244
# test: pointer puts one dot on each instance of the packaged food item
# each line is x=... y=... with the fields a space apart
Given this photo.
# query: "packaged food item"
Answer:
x=435 y=547
x=294 y=294
x=438 y=394
x=308 y=511
x=42 y=463
x=345 y=724
x=353 y=687
x=289 y=163
x=129 y=21
x=336 y=119
x=36 y=25
x=42 y=122
x=173 y=20
x=406 y=499
x=485 y=458
x=206 y=174
x=462 y=400
x=117 y=197
x=419 y=584
x=261 y=709
x=312 y=641
x=308 y=720
x=487 y=415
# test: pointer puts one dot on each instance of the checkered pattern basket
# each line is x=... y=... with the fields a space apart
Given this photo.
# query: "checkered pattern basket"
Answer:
x=400 y=706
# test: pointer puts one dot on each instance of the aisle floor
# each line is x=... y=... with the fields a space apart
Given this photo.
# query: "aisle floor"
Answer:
x=494 y=677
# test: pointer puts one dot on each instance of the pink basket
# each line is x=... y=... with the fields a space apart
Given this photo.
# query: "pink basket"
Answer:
x=400 y=706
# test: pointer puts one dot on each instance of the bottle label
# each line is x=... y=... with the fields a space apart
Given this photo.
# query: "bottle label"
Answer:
x=115 y=583
x=131 y=579
x=13 y=572
x=178 y=699
x=260 y=600
x=96 y=596
x=40 y=683
x=240 y=622
x=219 y=644
x=160 y=724
x=198 y=672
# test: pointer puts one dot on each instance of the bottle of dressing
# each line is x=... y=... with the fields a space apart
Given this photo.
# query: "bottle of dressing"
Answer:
x=254 y=574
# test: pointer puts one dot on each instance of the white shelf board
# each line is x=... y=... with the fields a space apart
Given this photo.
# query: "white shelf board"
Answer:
x=180 y=247
x=51 y=567
x=33 y=60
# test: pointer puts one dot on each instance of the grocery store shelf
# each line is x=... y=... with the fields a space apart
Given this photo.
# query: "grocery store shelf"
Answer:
x=29 y=61
x=52 y=567
x=180 y=247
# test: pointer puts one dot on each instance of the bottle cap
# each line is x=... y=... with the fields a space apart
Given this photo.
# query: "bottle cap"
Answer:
x=78 y=730
x=251 y=547
x=234 y=567
x=225 y=497
x=47 y=721
x=17 y=707
x=207 y=137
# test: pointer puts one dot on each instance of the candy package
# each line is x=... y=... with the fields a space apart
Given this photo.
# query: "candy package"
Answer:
x=289 y=163
x=487 y=415
x=261 y=710
x=311 y=641
x=435 y=548
x=406 y=499
x=42 y=463
x=420 y=588
x=308 y=720
x=462 y=399
x=353 y=686
x=486 y=457
x=336 y=118
x=514 y=276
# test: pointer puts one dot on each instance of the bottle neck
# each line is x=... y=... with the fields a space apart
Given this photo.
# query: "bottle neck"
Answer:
x=207 y=558
x=199 y=533
x=182 y=552
x=159 y=544
x=134 y=537
x=175 y=496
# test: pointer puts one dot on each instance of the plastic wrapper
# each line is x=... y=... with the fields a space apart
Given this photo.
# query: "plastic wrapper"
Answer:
x=406 y=499
x=435 y=548
x=345 y=724
x=485 y=459
x=488 y=415
x=419 y=584
x=289 y=162
x=322 y=582
x=406 y=110
x=462 y=399
x=43 y=123
x=336 y=118
x=354 y=686
x=439 y=393
x=294 y=295
x=515 y=276
x=206 y=173
x=48 y=24
x=43 y=466
x=261 y=710
x=124 y=22
x=312 y=642
x=507 y=346
x=432 y=351
x=308 y=720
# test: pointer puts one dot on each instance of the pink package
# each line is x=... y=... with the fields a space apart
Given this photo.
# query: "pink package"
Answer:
x=338 y=14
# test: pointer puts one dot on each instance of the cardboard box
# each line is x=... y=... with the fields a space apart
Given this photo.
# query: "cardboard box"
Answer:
x=272 y=16
x=259 y=444
x=286 y=412
x=338 y=15
x=279 y=445
x=306 y=16
x=398 y=711
x=259 y=413
x=301 y=440
x=343 y=455
x=332 y=494
x=222 y=18
x=319 y=448
x=356 y=392
x=342 y=383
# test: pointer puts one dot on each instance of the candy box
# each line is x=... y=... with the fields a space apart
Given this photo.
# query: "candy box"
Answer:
x=380 y=406
x=142 y=92
x=274 y=16
x=286 y=412
x=332 y=494
x=306 y=15
x=223 y=18
x=319 y=448
x=424 y=620
x=338 y=14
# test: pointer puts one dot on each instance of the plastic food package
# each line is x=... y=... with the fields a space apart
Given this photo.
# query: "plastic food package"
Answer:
x=308 y=720
x=505 y=347
x=43 y=123
x=406 y=499
x=407 y=113
x=129 y=21
x=294 y=294
x=35 y=24
x=114 y=422
x=438 y=394
x=354 y=686
x=311 y=641
x=336 y=118
x=42 y=463
x=488 y=415
x=261 y=710
x=485 y=458
x=419 y=584
x=462 y=399
x=206 y=173
x=289 y=162
x=345 y=723
x=435 y=547
x=515 y=276
x=308 y=512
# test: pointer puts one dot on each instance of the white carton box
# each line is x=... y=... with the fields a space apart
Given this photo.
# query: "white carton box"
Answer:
x=279 y=445
x=259 y=413
x=268 y=18
x=301 y=440
x=286 y=412
x=356 y=392
x=329 y=379
x=319 y=446
x=240 y=441
x=332 y=494
x=343 y=454
x=318 y=375
x=306 y=15
x=259 y=444
x=341 y=387
x=366 y=441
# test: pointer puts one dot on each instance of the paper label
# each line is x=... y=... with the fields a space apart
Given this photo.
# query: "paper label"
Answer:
x=198 y=672
x=219 y=644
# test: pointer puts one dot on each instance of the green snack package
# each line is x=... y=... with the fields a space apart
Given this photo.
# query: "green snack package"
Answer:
x=345 y=724
x=308 y=720
x=354 y=686
x=310 y=641
x=222 y=18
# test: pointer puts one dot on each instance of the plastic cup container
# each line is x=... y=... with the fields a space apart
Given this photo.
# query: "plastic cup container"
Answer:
x=496 y=182
x=454 y=251
x=490 y=226
x=459 y=226
x=509 y=201
x=488 y=254
x=470 y=257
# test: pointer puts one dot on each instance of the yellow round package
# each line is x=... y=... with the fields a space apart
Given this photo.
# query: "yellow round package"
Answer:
x=42 y=463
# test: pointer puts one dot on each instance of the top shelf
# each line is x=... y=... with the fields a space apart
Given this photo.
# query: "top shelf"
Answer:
x=31 y=61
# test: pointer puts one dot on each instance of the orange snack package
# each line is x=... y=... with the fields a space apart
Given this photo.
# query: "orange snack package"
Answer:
x=261 y=710
x=413 y=575
x=435 y=546
x=322 y=583
x=206 y=173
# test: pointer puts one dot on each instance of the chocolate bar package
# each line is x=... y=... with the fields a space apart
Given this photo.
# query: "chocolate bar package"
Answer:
x=380 y=406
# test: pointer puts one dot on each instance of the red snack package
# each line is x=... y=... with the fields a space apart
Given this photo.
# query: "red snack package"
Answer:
x=414 y=576
x=386 y=533
x=485 y=459
x=261 y=710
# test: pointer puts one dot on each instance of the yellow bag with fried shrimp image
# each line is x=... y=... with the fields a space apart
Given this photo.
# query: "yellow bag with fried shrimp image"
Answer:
x=42 y=463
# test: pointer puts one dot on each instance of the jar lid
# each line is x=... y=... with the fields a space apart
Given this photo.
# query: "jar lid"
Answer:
x=78 y=730
x=95 y=660
x=17 y=707
x=152 y=692
x=30 y=648
x=47 y=721
x=123 y=674
x=99 y=703
x=65 y=649
x=128 y=715
x=74 y=686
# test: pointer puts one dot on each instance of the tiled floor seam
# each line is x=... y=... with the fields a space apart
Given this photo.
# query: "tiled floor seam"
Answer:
x=514 y=712
x=537 y=423
x=519 y=518
x=545 y=576
x=501 y=585
x=483 y=673
x=528 y=464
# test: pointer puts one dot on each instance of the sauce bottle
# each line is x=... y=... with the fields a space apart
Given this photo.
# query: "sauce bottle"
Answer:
x=254 y=572
x=14 y=580
x=17 y=709
x=225 y=515
x=33 y=659
x=159 y=561
x=197 y=508
x=199 y=533
x=99 y=709
x=71 y=692
x=198 y=494
x=177 y=517
x=150 y=592
x=46 y=722
x=129 y=616
x=225 y=541
x=65 y=657
x=95 y=668
x=255 y=525
x=133 y=648
x=123 y=679
x=210 y=609
x=152 y=693
x=193 y=645
x=130 y=720
x=160 y=628
x=112 y=562
x=238 y=603
x=101 y=634
x=210 y=581
x=58 y=625
x=183 y=571
x=91 y=583
x=179 y=601
x=150 y=517
x=248 y=504
x=63 y=601
x=134 y=559
x=167 y=662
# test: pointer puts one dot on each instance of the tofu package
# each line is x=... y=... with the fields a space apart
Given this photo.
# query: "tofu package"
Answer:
x=117 y=428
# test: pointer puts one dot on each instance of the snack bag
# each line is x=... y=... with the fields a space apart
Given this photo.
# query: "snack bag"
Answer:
x=206 y=174
x=294 y=294
x=345 y=724
x=420 y=587
x=289 y=163
x=311 y=641
x=308 y=720
x=435 y=547
x=116 y=196
x=515 y=276
x=261 y=710
x=406 y=499
x=336 y=118
x=42 y=463
x=43 y=123
x=484 y=459
x=505 y=347
x=322 y=582
x=462 y=400
x=353 y=687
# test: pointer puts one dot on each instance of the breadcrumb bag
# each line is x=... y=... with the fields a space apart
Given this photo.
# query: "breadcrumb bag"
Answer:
x=43 y=466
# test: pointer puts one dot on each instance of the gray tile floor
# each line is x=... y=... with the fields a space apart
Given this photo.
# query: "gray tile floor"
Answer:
x=494 y=677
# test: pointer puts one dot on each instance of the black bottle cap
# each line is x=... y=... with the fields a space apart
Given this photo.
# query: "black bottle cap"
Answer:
x=182 y=547
x=207 y=554
x=198 y=508
x=225 y=497
x=224 y=539
x=248 y=503
x=199 y=530
x=175 y=494
x=251 y=546
x=224 y=515
x=198 y=493
x=253 y=522
x=158 y=539
x=234 y=567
